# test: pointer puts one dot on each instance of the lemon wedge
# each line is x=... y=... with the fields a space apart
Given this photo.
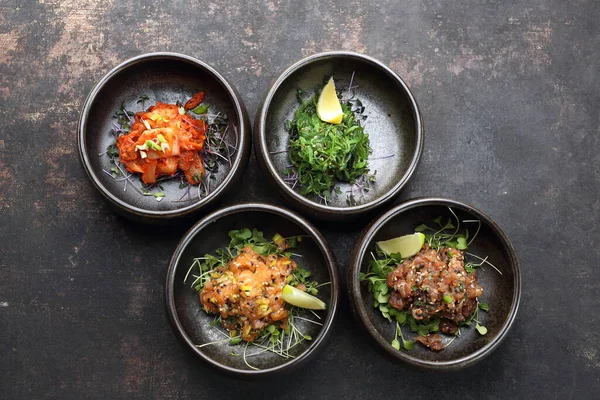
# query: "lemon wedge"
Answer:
x=298 y=298
x=329 y=108
x=407 y=245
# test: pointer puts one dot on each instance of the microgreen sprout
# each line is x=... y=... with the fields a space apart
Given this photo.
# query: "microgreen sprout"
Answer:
x=142 y=100
x=480 y=328
x=407 y=344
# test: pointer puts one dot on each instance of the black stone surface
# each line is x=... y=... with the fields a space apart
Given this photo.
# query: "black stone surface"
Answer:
x=510 y=104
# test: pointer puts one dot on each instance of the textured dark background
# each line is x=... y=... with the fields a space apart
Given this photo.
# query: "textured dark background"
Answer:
x=510 y=103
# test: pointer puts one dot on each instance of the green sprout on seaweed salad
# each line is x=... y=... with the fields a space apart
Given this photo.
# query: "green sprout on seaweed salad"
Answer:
x=443 y=233
x=272 y=338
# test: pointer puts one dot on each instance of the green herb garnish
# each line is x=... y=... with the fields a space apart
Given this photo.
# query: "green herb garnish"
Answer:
x=123 y=117
x=142 y=100
x=112 y=151
x=201 y=109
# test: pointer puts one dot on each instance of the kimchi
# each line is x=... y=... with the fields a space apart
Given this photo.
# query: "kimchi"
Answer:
x=163 y=140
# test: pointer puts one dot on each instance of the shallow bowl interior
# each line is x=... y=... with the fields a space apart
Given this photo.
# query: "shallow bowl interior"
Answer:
x=501 y=292
x=192 y=324
x=393 y=124
x=168 y=78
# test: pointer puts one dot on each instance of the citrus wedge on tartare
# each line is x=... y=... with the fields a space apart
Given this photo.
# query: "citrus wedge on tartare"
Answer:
x=298 y=298
x=406 y=246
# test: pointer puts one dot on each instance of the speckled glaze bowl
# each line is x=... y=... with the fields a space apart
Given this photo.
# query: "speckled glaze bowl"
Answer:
x=192 y=325
x=168 y=78
x=501 y=292
x=394 y=125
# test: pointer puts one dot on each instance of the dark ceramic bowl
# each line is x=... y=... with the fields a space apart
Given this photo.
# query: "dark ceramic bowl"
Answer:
x=191 y=324
x=393 y=123
x=168 y=78
x=501 y=292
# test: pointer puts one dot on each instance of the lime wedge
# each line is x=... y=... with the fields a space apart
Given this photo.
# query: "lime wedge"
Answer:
x=298 y=298
x=407 y=245
x=328 y=105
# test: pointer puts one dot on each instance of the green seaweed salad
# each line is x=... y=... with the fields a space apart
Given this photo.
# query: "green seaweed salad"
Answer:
x=323 y=153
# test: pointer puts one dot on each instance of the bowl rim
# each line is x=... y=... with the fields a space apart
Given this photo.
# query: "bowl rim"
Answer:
x=354 y=286
x=242 y=127
x=330 y=263
x=261 y=146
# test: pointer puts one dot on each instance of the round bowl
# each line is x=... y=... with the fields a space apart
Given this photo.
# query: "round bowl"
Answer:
x=394 y=125
x=168 y=78
x=501 y=291
x=192 y=325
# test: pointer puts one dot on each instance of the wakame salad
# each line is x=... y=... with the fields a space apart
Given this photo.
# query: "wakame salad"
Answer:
x=325 y=154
